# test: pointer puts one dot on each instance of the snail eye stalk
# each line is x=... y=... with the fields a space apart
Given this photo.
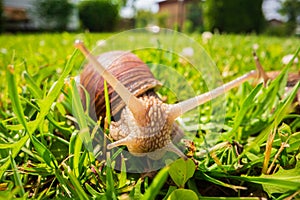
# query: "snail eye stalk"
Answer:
x=189 y=104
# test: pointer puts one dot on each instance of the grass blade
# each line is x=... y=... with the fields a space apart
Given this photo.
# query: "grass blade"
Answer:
x=77 y=186
x=72 y=152
x=247 y=103
x=110 y=186
x=93 y=192
x=157 y=184
x=79 y=114
x=17 y=178
x=14 y=151
x=78 y=156
x=13 y=94
x=84 y=134
x=123 y=174
x=217 y=182
x=107 y=106
x=65 y=184
x=34 y=89
x=43 y=151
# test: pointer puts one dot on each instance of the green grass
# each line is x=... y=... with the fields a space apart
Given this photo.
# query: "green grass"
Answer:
x=45 y=140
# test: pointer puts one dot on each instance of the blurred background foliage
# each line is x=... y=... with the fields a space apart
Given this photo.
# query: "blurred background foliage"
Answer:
x=98 y=15
x=1 y=18
x=234 y=16
x=54 y=14
x=291 y=9
x=230 y=16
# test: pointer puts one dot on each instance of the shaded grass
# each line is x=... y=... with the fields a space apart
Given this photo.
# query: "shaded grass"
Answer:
x=42 y=155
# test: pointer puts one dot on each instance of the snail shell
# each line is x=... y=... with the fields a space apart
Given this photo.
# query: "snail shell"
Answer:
x=128 y=69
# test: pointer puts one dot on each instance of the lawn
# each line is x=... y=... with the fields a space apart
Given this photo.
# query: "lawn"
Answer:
x=250 y=151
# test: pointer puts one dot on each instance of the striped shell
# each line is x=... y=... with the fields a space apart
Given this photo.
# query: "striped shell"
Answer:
x=128 y=69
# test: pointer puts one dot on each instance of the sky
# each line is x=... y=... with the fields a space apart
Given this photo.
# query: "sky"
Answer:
x=269 y=8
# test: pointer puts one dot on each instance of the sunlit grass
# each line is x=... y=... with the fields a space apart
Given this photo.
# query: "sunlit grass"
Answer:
x=42 y=154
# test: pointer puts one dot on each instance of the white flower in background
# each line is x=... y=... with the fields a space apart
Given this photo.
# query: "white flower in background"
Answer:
x=101 y=43
x=153 y=28
x=206 y=36
x=187 y=51
x=42 y=43
x=286 y=59
x=64 y=42
x=77 y=79
x=58 y=70
x=131 y=38
x=3 y=50
x=255 y=46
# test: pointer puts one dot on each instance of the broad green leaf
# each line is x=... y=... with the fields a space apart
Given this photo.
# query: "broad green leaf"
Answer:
x=183 y=194
x=181 y=170
x=273 y=183
x=282 y=181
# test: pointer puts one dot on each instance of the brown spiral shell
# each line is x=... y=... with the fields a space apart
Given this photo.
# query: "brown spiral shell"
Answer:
x=130 y=70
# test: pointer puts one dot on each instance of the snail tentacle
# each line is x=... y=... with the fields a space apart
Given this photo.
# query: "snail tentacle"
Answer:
x=189 y=104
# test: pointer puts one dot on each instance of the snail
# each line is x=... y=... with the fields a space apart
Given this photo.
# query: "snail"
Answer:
x=145 y=124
